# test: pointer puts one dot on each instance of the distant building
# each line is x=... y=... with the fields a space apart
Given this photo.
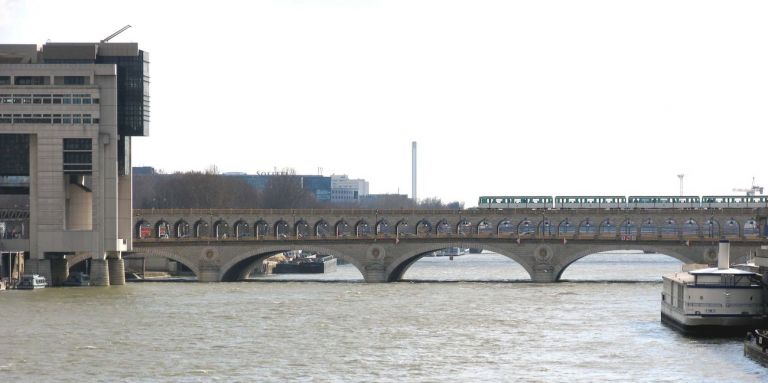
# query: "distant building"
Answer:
x=344 y=189
x=318 y=185
x=143 y=171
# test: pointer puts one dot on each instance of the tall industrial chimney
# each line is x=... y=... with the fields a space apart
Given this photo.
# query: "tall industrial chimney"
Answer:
x=413 y=173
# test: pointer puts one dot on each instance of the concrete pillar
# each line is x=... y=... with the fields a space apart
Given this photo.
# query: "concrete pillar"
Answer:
x=543 y=274
x=116 y=269
x=59 y=270
x=208 y=273
x=99 y=272
x=375 y=273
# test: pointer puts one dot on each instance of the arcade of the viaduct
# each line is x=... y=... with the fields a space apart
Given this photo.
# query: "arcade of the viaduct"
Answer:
x=226 y=245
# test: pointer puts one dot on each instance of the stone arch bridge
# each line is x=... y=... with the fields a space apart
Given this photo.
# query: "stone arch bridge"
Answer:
x=225 y=245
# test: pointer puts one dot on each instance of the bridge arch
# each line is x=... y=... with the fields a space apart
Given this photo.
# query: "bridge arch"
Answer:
x=200 y=229
x=464 y=227
x=546 y=228
x=162 y=229
x=607 y=229
x=233 y=269
x=627 y=228
x=397 y=269
x=670 y=229
x=221 y=229
x=443 y=227
x=401 y=227
x=571 y=258
x=343 y=229
x=731 y=228
x=751 y=229
x=526 y=227
x=282 y=229
x=649 y=229
x=587 y=228
x=505 y=227
x=191 y=264
x=423 y=227
x=143 y=229
x=260 y=229
x=181 y=229
x=301 y=229
x=363 y=229
x=690 y=228
x=566 y=229
x=484 y=228
x=242 y=229
x=383 y=227
x=711 y=228
x=322 y=229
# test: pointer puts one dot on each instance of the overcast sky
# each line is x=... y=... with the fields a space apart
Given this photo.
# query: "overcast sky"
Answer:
x=503 y=97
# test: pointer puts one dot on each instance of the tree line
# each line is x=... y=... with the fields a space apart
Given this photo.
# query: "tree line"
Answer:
x=209 y=189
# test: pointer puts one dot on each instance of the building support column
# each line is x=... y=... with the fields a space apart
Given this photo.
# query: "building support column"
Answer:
x=116 y=268
x=99 y=272
x=59 y=270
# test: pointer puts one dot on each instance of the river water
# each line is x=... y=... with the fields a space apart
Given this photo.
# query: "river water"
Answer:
x=455 y=321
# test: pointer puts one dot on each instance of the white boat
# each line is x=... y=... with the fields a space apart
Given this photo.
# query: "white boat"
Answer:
x=32 y=282
x=713 y=301
x=450 y=252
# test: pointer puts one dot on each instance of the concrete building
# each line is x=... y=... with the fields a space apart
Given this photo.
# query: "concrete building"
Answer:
x=344 y=189
x=67 y=115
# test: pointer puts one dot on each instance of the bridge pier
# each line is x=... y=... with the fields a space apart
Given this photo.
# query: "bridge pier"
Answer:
x=208 y=273
x=543 y=274
x=99 y=272
x=59 y=270
x=116 y=266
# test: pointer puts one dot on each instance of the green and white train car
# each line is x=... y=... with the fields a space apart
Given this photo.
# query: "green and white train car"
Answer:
x=663 y=202
x=515 y=202
x=733 y=201
x=590 y=202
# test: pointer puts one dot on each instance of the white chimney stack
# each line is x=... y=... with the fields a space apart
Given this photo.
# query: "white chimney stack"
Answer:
x=724 y=255
x=413 y=173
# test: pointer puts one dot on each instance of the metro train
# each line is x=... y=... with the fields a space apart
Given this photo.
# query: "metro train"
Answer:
x=622 y=202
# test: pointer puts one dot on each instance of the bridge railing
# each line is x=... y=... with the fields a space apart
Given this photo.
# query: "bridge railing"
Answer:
x=308 y=212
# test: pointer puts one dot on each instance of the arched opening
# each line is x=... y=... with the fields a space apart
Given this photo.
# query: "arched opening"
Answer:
x=322 y=229
x=731 y=229
x=751 y=229
x=526 y=227
x=143 y=230
x=363 y=229
x=505 y=227
x=423 y=228
x=459 y=264
x=464 y=227
x=587 y=229
x=546 y=229
x=383 y=228
x=147 y=266
x=443 y=228
x=200 y=229
x=260 y=229
x=566 y=229
x=285 y=264
x=181 y=228
x=162 y=229
x=282 y=230
x=484 y=228
x=343 y=229
x=401 y=228
x=607 y=229
x=242 y=229
x=627 y=230
x=711 y=229
x=690 y=229
x=302 y=229
x=669 y=229
x=221 y=229
x=620 y=265
x=649 y=229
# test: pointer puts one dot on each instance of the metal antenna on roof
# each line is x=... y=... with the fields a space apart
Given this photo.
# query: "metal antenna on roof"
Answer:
x=115 y=34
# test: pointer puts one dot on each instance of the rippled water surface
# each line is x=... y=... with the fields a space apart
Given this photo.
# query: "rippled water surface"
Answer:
x=600 y=326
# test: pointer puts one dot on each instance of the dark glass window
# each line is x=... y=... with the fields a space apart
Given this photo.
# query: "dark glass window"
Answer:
x=77 y=144
x=5 y=80
x=74 y=80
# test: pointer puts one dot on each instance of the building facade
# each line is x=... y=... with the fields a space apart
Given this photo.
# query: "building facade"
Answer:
x=68 y=112
x=344 y=189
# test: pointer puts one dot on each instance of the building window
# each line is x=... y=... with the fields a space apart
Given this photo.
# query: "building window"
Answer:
x=78 y=155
